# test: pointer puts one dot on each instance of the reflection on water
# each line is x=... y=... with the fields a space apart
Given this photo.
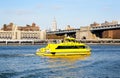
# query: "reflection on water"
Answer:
x=70 y=58
x=64 y=62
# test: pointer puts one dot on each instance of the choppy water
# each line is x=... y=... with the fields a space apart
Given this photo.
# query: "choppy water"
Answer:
x=21 y=62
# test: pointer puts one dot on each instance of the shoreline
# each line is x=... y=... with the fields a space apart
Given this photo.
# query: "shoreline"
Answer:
x=102 y=43
x=45 y=42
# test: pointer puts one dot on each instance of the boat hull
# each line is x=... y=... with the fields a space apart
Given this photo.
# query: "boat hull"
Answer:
x=63 y=52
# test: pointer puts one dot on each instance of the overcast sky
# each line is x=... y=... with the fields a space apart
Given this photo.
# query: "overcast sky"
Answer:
x=75 y=13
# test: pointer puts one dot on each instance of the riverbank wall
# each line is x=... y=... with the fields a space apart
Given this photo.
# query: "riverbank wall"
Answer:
x=41 y=42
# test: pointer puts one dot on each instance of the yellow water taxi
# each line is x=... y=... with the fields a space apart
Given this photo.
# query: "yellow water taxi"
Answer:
x=68 y=47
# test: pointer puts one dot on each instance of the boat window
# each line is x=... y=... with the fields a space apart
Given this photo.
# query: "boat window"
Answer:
x=81 y=47
x=71 y=47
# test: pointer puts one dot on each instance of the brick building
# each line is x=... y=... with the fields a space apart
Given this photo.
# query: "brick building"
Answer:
x=112 y=34
x=13 y=32
x=32 y=27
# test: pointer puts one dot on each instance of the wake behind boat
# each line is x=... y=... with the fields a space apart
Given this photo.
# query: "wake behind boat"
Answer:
x=68 y=47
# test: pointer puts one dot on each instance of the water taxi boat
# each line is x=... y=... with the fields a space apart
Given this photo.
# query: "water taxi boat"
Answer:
x=68 y=47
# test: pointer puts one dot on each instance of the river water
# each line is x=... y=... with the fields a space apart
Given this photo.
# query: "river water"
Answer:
x=21 y=62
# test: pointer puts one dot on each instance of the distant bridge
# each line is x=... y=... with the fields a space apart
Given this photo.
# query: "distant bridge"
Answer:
x=107 y=27
x=63 y=31
x=99 y=31
x=94 y=28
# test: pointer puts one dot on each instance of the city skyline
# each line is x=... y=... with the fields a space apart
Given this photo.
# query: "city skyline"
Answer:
x=67 y=12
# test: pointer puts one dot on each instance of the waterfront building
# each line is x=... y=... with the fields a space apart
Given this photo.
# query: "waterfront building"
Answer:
x=54 y=25
x=43 y=34
x=10 y=26
x=95 y=24
x=13 y=32
x=109 y=23
x=6 y=35
x=111 y=34
x=106 y=23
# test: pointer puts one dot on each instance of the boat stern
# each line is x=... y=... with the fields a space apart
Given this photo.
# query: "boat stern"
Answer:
x=40 y=51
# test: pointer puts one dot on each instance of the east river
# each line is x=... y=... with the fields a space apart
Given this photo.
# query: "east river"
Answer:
x=21 y=62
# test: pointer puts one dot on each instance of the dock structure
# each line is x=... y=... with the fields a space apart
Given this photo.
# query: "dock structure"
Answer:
x=100 y=41
x=22 y=42
x=45 y=42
